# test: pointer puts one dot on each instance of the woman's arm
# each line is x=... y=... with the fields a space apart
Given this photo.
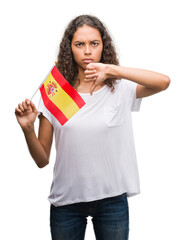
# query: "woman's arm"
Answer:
x=148 y=82
x=39 y=147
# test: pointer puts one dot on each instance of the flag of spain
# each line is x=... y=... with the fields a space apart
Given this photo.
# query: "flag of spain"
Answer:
x=59 y=97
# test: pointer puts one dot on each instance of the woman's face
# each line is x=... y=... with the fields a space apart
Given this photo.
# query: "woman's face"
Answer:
x=86 y=46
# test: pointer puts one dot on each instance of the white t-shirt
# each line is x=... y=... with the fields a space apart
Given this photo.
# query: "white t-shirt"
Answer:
x=95 y=151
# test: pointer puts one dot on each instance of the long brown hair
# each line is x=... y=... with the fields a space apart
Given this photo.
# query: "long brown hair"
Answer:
x=66 y=63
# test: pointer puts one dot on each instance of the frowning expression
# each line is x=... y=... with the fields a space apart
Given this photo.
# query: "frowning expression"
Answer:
x=86 y=46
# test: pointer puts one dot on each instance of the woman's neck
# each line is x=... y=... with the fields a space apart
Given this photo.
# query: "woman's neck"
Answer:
x=81 y=77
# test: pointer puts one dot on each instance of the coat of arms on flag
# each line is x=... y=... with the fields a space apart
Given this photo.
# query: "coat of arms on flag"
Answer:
x=59 y=97
x=51 y=89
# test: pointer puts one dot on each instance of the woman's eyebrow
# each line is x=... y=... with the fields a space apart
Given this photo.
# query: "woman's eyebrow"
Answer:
x=96 y=40
x=78 y=41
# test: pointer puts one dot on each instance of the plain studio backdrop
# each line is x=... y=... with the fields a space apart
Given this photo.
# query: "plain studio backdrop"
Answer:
x=148 y=35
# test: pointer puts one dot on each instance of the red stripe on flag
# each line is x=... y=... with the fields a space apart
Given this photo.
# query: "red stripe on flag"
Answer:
x=67 y=87
x=52 y=107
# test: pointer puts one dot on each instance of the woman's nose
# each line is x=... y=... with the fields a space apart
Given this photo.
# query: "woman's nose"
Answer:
x=87 y=50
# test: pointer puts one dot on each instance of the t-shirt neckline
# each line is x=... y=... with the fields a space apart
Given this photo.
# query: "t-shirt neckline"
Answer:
x=95 y=92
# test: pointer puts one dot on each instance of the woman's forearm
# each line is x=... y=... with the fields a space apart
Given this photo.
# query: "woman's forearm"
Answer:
x=146 y=78
x=35 y=148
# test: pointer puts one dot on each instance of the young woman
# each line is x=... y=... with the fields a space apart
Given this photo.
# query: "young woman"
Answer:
x=96 y=168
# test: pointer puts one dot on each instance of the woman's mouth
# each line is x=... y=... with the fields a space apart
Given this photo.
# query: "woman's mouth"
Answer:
x=87 y=60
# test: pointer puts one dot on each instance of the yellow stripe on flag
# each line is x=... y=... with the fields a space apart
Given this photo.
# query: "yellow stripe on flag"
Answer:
x=61 y=99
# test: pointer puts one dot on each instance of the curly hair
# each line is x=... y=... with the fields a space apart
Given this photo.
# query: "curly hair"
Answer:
x=66 y=63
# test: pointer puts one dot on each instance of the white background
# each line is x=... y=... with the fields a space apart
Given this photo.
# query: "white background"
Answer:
x=149 y=35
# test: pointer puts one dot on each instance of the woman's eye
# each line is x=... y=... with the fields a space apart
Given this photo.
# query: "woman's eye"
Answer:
x=95 y=44
x=79 y=44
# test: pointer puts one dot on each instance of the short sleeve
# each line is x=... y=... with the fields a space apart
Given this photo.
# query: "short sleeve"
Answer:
x=42 y=109
x=133 y=102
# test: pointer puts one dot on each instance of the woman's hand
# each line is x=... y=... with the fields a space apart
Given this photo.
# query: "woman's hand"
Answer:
x=96 y=72
x=26 y=114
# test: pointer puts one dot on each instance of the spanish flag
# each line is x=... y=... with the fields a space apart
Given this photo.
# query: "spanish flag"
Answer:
x=59 y=97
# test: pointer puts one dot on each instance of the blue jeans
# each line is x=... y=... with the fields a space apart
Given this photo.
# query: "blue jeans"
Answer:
x=110 y=218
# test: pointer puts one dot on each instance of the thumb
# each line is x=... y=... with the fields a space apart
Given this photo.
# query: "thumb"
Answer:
x=33 y=107
x=93 y=87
